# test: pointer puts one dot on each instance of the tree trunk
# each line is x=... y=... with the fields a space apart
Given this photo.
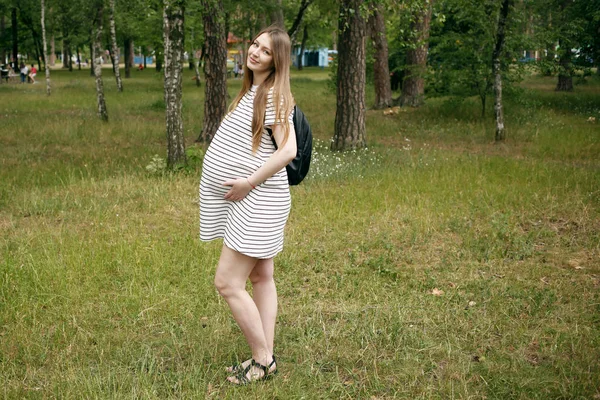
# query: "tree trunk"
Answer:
x=115 y=48
x=350 y=112
x=46 y=66
x=497 y=69
x=127 y=48
x=131 y=55
x=277 y=15
x=197 y=70
x=92 y=60
x=78 y=59
x=173 y=13
x=297 y=21
x=67 y=55
x=52 y=52
x=215 y=69
x=413 y=87
x=381 y=69
x=565 y=71
x=102 y=111
x=15 y=36
x=2 y=29
x=302 y=47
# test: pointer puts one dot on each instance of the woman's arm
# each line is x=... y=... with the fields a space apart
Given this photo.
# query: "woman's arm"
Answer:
x=283 y=155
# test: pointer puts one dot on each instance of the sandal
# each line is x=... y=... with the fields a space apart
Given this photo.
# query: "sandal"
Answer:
x=237 y=368
x=242 y=376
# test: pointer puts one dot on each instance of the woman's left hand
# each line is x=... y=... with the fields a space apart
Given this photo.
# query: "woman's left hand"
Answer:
x=239 y=189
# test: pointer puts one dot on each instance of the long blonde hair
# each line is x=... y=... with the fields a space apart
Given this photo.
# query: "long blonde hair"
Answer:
x=278 y=79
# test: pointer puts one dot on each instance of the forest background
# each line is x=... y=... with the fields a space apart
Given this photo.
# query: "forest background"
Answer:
x=429 y=258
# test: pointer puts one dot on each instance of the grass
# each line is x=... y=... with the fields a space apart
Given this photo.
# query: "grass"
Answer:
x=106 y=291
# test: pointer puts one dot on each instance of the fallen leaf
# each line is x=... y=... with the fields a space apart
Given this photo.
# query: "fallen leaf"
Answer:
x=437 y=292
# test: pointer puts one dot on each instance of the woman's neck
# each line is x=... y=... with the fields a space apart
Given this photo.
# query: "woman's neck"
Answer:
x=258 y=79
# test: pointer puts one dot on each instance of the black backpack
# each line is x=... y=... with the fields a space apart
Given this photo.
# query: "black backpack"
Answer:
x=297 y=169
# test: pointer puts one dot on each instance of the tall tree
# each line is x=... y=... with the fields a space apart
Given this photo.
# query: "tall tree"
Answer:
x=2 y=28
x=302 y=47
x=128 y=56
x=102 y=111
x=46 y=64
x=298 y=20
x=173 y=14
x=565 y=46
x=215 y=68
x=115 y=48
x=381 y=69
x=15 y=35
x=277 y=14
x=413 y=87
x=350 y=111
x=497 y=69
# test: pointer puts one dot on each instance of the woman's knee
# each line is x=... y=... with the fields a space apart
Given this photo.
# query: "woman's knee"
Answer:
x=262 y=272
x=223 y=285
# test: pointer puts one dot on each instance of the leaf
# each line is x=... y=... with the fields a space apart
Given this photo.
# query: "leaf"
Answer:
x=437 y=292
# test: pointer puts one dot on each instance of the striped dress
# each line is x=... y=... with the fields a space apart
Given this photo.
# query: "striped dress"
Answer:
x=253 y=226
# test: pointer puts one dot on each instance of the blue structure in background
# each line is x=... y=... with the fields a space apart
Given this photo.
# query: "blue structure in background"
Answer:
x=137 y=60
x=313 y=58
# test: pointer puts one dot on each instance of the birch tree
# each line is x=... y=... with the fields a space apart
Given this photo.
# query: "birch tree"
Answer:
x=115 y=48
x=46 y=66
x=497 y=70
x=102 y=111
x=350 y=129
x=173 y=35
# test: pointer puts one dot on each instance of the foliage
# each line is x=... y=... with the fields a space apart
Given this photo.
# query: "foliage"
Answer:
x=461 y=46
x=453 y=268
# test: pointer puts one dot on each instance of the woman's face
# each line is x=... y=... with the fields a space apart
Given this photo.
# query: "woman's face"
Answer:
x=260 y=54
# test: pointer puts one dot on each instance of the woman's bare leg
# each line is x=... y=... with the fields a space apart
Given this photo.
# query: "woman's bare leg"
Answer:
x=230 y=279
x=264 y=294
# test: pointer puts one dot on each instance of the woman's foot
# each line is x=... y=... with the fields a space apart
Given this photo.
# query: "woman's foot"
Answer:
x=254 y=372
x=234 y=369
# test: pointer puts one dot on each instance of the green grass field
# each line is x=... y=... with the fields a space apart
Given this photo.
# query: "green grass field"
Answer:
x=433 y=265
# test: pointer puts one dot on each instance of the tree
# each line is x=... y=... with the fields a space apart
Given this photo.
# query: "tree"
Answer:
x=497 y=70
x=413 y=88
x=277 y=14
x=350 y=112
x=46 y=66
x=15 y=35
x=302 y=46
x=298 y=20
x=102 y=111
x=461 y=48
x=215 y=68
x=565 y=54
x=173 y=14
x=383 y=89
x=115 y=48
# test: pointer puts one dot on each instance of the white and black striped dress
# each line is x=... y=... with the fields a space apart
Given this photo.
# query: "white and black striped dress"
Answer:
x=253 y=226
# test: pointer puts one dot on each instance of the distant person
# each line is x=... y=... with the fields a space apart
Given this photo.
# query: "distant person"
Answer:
x=236 y=70
x=141 y=67
x=24 y=72
x=33 y=73
x=245 y=197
